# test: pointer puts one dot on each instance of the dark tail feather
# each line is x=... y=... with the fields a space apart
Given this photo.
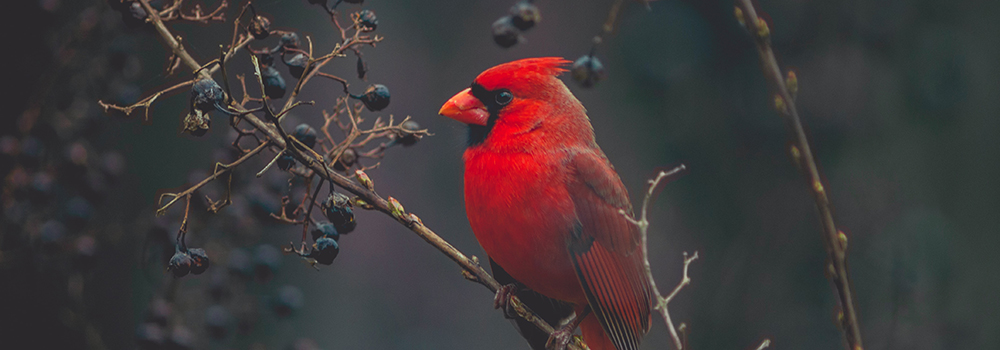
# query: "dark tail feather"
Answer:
x=550 y=310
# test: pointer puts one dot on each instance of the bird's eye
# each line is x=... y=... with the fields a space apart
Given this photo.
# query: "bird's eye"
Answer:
x=504 y=97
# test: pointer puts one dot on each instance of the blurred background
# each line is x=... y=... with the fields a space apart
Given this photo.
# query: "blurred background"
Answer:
x=898 y=98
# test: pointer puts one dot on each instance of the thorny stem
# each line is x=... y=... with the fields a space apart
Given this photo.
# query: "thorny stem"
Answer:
x=470 y=266
x=643 y=225
x=802 y=155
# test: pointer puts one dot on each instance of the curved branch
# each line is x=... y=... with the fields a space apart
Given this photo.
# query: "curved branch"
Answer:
x=801 y=153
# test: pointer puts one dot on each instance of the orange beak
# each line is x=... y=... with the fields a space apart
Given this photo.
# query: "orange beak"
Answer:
x=465 y=108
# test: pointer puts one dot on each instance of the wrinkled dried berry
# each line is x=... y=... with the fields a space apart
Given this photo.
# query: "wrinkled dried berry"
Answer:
x=260 y=27
x=376 y=97
x=408 y=139
x=206 y=94
x=588 y=70
x=367 y=20
x=525 y=15
x=305 y=134
x=289 y=40
x=197 y=123
x=325 y=250
x=505 y=33
x=200 y=260
x=297 y=65
x=362 y=68
x=337 y=208
x=325 y=229
x=274 y=84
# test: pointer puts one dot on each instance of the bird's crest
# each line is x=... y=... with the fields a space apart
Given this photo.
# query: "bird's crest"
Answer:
x=523 y=69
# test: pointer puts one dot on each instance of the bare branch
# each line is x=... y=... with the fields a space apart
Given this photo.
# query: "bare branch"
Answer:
x=802 y=155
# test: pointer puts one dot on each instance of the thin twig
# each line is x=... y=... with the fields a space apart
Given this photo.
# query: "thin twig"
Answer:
x=802 y=155
x=643 y=225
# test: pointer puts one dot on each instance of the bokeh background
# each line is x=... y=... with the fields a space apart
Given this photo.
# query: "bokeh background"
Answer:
x=898 y=98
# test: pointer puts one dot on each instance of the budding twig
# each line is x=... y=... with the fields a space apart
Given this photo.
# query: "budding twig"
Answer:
x=802 y=156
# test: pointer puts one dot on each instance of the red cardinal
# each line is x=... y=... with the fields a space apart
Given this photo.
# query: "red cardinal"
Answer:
x=544 y=203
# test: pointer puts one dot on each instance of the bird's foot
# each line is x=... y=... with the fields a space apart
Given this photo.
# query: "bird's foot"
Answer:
x=560 y=338
x=502 y=300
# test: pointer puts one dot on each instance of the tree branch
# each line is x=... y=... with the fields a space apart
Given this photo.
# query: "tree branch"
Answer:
x=470 y=266
x=801 y=153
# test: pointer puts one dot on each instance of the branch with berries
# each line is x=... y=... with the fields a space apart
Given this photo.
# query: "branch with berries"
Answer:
x=294 y=152
x=785 y=88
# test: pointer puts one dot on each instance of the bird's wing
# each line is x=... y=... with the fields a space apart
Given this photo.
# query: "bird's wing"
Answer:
x=605 y=250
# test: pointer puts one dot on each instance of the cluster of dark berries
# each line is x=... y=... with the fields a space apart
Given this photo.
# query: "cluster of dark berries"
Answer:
x=588 y=70
x=206 y=95
x=521 y=17
x=185 y=261
x=326 y=234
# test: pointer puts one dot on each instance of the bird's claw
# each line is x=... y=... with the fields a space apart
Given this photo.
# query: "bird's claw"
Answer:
x=560 y=338
x=502 y=300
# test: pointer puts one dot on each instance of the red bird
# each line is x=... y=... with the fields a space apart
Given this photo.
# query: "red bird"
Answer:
x=544 y=201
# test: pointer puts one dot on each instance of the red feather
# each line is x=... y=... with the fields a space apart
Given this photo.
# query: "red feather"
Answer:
x=544 y=201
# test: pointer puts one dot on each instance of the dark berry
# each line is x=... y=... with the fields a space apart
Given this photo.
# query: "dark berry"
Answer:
x=588 y=70
x=505 y=33
x=260 y=27
x=289 y=40
x=137 y=14
x=274 y=84
x=207 y=95
x=285 y=161
x=180 y=264
x=305 y=134
x=408 y=139
x=297 y=65
x=288 y=300
x=525 y=15
x=325 y=250
x=376 y=97
x=367 y=20
x=362 y=68
x=200 y=259
x=338 y=210
x=217 y=320
x=265 y=59
x=325 y=229
x=346 y=160
x=266 y=261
